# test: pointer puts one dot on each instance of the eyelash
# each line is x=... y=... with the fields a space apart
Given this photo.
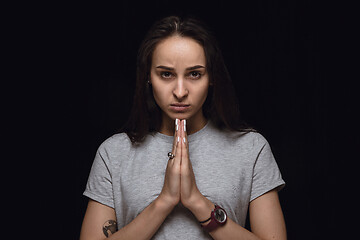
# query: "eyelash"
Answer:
x=163 y=73
x=198 y=75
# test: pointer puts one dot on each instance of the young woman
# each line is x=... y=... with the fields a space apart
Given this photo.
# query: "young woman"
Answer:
x=185 y=167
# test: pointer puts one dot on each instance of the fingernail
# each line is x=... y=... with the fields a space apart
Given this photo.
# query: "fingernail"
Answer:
x=178 y=139
x=184 y=140
x=177 y=124
x=184 y=125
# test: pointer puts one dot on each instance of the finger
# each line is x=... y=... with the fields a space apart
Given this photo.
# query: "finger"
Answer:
x=184 y=144
x=178 y=148
x=185 y=137
x=176 y=135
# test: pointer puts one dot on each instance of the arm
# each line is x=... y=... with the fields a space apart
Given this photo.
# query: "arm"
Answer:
x=96 y=216
x=144 y=226
x=266 y=219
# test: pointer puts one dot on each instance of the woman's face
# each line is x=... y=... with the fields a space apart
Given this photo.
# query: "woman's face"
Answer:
x=179 y=78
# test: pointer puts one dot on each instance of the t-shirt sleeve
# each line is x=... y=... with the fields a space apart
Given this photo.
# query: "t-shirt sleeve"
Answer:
x=266 y=175
x=99 y=185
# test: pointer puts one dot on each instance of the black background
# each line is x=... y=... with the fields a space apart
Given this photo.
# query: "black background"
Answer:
x=80 y=64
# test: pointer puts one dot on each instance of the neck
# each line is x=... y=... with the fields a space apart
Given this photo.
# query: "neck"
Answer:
x=193 y=124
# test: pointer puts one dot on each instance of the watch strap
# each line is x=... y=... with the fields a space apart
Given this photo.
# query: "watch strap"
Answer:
x=213 y=224
x=205 y=220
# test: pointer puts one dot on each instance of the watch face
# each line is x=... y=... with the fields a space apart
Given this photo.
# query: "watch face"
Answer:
x=220 y=215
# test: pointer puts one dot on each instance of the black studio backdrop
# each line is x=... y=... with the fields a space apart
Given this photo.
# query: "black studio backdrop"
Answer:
x=276 y=54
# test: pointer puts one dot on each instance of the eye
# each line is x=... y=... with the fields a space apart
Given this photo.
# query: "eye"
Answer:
x=195 y=75
x=166 y=75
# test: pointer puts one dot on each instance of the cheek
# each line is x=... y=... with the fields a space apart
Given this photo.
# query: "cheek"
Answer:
x=201 y=94
x=159 y=94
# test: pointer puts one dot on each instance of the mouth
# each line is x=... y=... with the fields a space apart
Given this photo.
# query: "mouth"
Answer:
x=179 y=107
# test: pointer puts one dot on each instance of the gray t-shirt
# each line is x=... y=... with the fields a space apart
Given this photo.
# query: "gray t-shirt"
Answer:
x=231 y=170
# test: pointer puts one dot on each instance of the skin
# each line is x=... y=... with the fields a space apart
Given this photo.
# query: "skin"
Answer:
x=174 y=82
x=178 y=75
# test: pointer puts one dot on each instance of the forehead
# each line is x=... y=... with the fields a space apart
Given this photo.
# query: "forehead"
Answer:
x=177 y=51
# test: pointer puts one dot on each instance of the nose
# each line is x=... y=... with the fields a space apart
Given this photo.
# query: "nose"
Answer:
x=180 y=91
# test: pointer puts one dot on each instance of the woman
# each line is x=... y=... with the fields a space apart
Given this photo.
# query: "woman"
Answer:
x=185 y=167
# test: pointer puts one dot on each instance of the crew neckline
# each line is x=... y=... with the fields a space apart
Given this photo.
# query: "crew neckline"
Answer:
x=192 y=137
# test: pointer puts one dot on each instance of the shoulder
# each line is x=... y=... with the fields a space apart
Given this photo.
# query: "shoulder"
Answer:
x=226 y=137
x=116 y=145
x=253 y=139
x=242 y=138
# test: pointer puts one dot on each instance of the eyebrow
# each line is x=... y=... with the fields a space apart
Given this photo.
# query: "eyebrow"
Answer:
x=189 y=68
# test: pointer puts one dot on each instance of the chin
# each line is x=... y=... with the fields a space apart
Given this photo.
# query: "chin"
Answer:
x=181 y=116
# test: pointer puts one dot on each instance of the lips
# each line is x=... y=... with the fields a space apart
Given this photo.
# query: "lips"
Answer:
x=179 y=107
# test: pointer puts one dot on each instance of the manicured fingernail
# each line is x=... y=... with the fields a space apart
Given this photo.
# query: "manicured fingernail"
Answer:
x=184 y=125
x=184 y=140
x=177 y=124
x=176 y=121
x=178 y=139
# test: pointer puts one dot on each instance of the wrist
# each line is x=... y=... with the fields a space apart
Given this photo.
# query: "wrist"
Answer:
x=164 y=205
x=201 y=208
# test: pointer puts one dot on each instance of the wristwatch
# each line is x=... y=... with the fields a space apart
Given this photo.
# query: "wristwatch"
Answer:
x=218 y=218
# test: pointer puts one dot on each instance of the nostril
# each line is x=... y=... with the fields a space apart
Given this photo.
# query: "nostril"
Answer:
x=180 y=92
x=181 y=95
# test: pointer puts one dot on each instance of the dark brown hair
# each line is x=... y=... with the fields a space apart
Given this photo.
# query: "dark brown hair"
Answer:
x=221 y=105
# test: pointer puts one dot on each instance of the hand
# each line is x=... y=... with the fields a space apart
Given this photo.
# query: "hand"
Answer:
x=180 y=184
x=190 y=196
x=170 y=192
x=189 y=192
